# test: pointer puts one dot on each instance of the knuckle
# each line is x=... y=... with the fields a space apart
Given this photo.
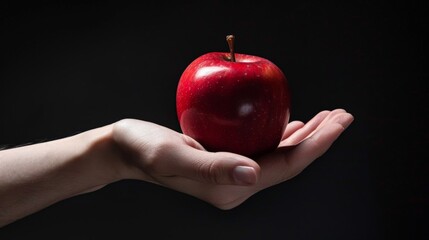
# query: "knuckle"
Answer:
x=154 y=155
x=209 y=171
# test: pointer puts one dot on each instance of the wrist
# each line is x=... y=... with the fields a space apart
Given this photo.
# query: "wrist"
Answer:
x=102 y=154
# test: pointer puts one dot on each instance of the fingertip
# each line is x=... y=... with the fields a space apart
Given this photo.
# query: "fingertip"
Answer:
x=244 y=175
x=244 y=170
x=345 y=120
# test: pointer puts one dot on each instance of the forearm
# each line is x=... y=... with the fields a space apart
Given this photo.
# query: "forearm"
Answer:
x=36 y=176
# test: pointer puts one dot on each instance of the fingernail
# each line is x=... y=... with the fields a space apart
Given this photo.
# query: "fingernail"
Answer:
x=244 y=175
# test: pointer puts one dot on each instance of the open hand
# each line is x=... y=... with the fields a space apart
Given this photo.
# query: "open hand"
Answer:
x=163 y=156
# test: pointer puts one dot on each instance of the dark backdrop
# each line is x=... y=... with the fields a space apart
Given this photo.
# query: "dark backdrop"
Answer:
x=70 y=67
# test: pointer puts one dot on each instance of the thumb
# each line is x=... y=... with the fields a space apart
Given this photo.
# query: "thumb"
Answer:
x=215 y=167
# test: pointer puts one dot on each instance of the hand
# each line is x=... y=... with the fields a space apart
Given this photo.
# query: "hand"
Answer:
x=168 y=158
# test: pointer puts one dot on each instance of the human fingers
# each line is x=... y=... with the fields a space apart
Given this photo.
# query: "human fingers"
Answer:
x=315 y=146
x=285 y=163
x=333 y=116
x=291 y=128
x=300 y=134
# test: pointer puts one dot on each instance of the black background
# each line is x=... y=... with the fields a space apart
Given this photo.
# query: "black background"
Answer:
x=70 y=67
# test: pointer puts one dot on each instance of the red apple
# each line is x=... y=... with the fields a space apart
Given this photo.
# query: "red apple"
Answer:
x=233 y=102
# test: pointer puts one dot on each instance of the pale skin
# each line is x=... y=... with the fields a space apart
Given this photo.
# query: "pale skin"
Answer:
x=36 y=176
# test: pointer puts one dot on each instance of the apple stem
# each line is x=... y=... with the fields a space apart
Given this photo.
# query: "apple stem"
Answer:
x=230 y=40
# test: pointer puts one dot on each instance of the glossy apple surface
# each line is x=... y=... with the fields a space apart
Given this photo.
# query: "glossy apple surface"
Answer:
x=240 y=106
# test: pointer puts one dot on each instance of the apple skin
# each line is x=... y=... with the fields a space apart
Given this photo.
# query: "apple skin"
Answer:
x=241 y=107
